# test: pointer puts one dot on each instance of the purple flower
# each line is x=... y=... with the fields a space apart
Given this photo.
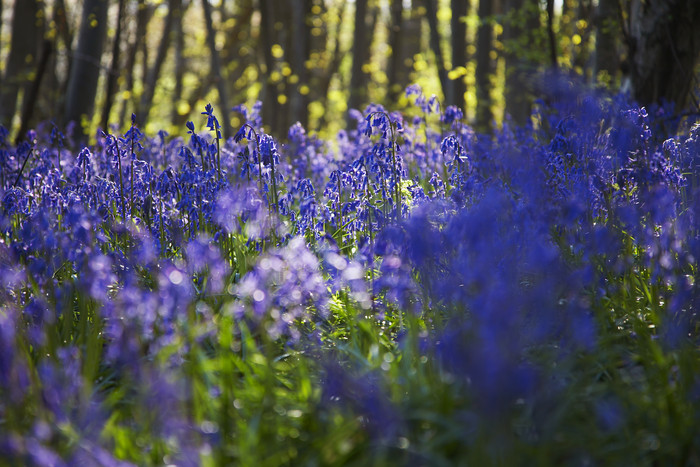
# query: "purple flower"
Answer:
x=212 y=121
x=284 y=289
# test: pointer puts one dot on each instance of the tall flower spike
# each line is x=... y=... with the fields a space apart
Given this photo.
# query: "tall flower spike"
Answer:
x=388 y=128
x=213 y=125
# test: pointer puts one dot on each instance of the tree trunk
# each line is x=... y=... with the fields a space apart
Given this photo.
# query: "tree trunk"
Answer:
x=550 y=35
x=431 y=14
x=61 y=18
x=582 y=58
x=31 y=91
x=607 y=62
x=299 y=53
x=85 y=71
x=216 y=70
x=360 y=54
x=269 y=91
x=111 y=84
x=27 y=32
x=1 y=21
x=484 y=67
x=58 y=83
x=395 y=44
x=143 y=16
x=519 y=37
x=458 y=28
x=664 y=46
x=326 y=74
x=180 y=63
x=146 y=101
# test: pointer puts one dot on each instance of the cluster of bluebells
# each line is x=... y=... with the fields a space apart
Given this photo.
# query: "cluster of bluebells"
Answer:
x=500 y=244
x=282 y=289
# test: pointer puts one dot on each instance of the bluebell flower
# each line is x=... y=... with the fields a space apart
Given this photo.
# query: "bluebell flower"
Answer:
x=452 y=114
x=205 y=258
x=284 y=288
x=212 y=121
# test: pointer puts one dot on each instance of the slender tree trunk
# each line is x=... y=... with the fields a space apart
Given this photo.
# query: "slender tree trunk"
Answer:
x=269 y=91
x=458 y=27
x=484 y=67
x=300 y=52
x=607 y=29
x=395 y=44
x=332 y=68
x=85 y=71
x=180 y=63
x=582 y=59
x=153 y=75
x=219 y=77
x=58 y=82
x=519 y=36
x=550 y=35
x=143 y=16
x=664 y=46
x=61 y=17
x=431 y=15
x=237 y=55
x=360 y=54
x=239 y=34
x=111 y=84
x=27 y=32
x=31 y=92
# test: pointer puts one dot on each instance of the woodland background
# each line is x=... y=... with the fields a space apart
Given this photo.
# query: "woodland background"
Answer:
x=98 y=61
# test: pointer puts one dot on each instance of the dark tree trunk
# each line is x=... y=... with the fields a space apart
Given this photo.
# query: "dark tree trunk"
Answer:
x=299 y=53
x=550 y=35
x=458 y=28
x=31 y=92
x=520 y=41
x=27 y=33
x=111 y=84
x=153 y=75
x=431 y=14
x=664 y=46
x=607 y=62
x=180 y=64
x=484 y=67
x=217 y=72
x=85 y=70
x=56 y=80
x=582 y=59
x=239 y=34
x=143 y=16
x=325 y=75
x=61 y=15
x=269 y=91
x=360 y=54
x=395 y=86
x=237 y=53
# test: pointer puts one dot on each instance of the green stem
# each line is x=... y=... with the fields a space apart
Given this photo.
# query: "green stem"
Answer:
x=162 y=230
x=274 y=184
x=19 y=175
x=218 y=155
x=131 y=201
x=121 y=182
x=371 y=236
x=397 y=175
